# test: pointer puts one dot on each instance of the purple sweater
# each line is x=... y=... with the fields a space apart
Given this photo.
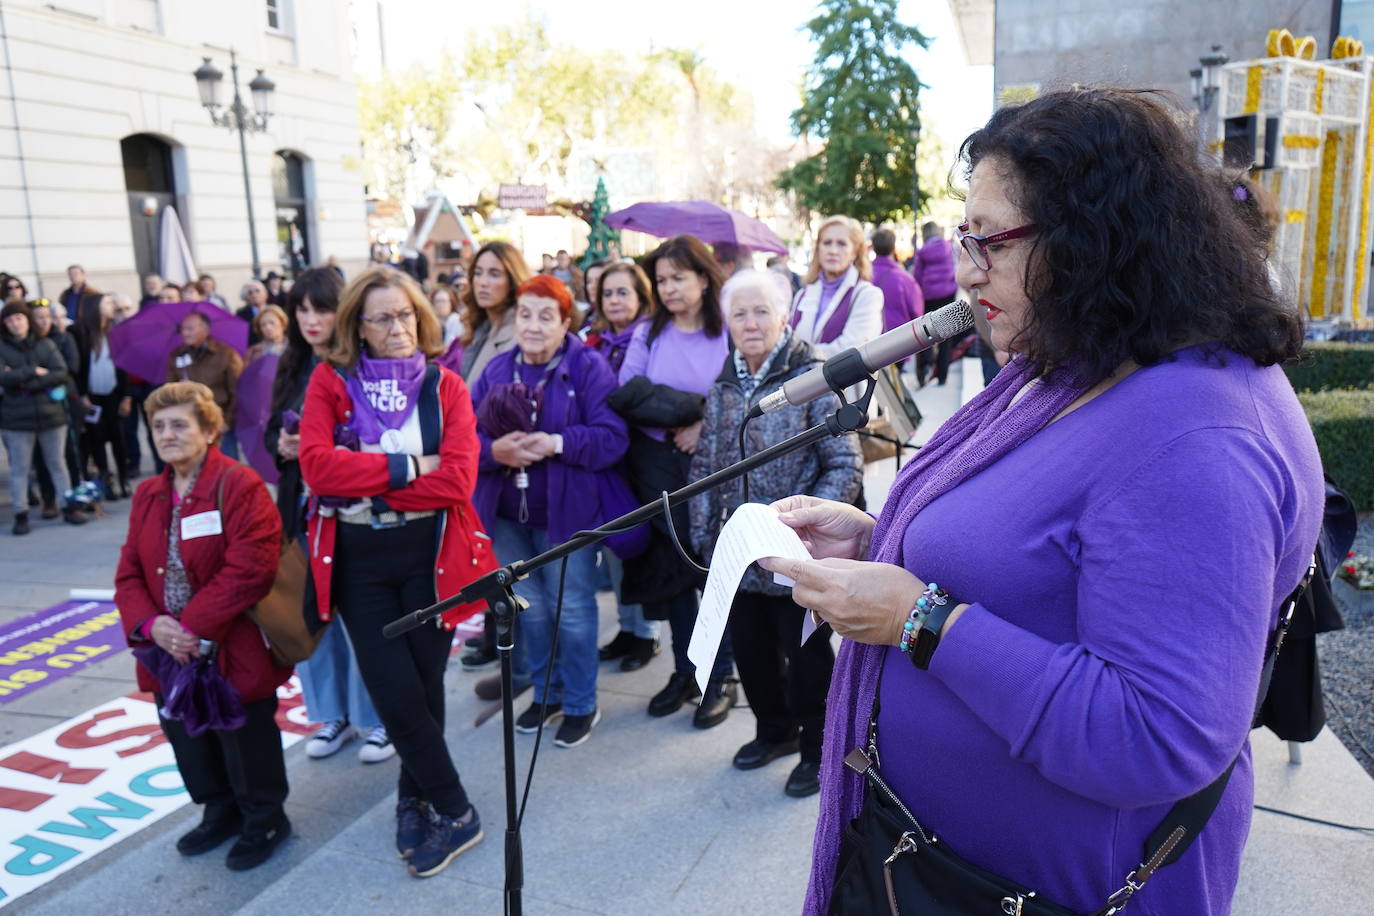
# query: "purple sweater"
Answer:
x=933 y=269
x=902 y=296
x=594 y=440
x=1124 y=567
x=685 y=361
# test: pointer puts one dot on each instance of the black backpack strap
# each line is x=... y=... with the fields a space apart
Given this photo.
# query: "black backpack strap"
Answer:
x=1185 y=820
x=431 y=413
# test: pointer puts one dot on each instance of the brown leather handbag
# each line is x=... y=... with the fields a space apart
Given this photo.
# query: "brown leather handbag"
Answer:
x=281 y=615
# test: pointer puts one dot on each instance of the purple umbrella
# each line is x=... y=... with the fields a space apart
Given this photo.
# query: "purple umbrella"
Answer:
x=196 y=693
x=508 y=407
x=707 y=221
x=252 y=410
x=141 y=345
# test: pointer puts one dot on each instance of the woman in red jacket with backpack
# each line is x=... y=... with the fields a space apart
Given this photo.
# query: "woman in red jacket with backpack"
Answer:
x=202 y=549
x=389 y=451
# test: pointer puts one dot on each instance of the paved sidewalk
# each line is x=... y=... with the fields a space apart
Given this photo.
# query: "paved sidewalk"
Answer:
x=646 y=817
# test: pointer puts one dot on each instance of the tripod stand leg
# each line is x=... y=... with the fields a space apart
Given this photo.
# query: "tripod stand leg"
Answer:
x=503 y=612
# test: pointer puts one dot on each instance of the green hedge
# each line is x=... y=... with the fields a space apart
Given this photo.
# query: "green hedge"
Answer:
x=1329 y=365
x=1343 y=424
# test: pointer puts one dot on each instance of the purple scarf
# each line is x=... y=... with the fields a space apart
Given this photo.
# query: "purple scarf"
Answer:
x=978 y=434
x=384 y=393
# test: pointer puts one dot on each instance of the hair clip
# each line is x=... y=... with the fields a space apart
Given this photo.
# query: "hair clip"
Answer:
x=1240 y=193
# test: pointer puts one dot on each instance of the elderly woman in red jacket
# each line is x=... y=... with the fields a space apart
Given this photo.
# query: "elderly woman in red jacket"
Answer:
x=201 y=550
x=389 y=451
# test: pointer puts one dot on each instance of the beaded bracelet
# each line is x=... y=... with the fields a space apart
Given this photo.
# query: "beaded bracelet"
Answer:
x=932 y=597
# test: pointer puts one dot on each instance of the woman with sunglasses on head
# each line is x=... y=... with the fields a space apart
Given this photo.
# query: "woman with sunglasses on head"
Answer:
x=1146 y=492
x=389 y=451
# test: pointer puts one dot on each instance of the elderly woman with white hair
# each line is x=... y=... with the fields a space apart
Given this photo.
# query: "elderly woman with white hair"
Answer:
x=785 y=679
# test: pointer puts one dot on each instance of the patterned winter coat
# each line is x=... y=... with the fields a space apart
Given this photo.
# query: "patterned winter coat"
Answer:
x=830 y=469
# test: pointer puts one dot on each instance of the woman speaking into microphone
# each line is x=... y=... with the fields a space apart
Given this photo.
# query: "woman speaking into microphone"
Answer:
x=1055 y=629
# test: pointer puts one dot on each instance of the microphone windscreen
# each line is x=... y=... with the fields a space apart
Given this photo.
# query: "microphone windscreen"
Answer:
x=953 y=319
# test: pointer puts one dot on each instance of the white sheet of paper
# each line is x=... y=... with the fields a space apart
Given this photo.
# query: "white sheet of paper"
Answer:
x=752 y=532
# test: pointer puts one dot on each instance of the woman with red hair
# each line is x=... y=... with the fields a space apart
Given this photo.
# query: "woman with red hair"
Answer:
x=550 y=446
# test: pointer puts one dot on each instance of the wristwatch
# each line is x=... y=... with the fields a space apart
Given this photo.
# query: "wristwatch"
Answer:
x=928 y=636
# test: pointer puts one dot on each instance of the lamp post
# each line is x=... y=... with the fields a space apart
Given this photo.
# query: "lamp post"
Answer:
x=1206 y=80
x=238 y=117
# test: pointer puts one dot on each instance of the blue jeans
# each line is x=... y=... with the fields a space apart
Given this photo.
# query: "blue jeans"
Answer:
x=332 y=684
x=574 y=671
x=229 y=445
x=631 y=615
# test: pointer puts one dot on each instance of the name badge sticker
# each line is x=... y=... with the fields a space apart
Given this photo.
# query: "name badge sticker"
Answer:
x=201 y=525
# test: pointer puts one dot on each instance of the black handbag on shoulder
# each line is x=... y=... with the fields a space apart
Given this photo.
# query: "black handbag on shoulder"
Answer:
x=891 y=863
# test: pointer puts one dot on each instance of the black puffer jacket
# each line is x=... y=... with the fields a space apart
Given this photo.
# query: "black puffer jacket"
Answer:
x=653 y=466
x=28 y=405
x=830 y=469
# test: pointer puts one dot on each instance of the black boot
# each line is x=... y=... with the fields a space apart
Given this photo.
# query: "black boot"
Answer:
x=618 y=647
x=123 y=488
x=21 y=523
x=720 y=695
x=50 y=510
x=107 y=490
x=640 y=654
x=217 y=824
x=681 y=688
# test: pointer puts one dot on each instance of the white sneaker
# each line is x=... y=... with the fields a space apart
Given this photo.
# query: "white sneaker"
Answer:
x=330 y=737
x=377 y=747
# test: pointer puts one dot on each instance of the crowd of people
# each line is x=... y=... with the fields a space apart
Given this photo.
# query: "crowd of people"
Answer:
x=422 y=434
x=1113 y=521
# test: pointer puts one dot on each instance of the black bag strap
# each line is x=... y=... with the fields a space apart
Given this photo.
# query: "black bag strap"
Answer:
x=1185 y=820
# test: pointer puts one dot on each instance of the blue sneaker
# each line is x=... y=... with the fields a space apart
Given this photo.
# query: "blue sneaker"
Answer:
x=448 y=838
x=413 y=818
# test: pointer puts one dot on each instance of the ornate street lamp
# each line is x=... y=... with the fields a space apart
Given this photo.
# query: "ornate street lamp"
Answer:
x=238 y=117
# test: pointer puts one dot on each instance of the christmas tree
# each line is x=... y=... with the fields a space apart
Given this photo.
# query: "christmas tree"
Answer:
x=601 y=237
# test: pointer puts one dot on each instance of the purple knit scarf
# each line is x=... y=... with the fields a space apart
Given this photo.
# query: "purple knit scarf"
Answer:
x=977 y=436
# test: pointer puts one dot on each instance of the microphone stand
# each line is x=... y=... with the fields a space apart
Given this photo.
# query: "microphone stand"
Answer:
x=497 y=589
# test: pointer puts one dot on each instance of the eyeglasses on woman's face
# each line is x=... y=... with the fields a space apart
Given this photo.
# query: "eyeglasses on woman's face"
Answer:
x=977 y=247
x=383 y=322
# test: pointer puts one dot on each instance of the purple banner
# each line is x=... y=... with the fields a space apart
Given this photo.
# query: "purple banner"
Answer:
x=49 y=645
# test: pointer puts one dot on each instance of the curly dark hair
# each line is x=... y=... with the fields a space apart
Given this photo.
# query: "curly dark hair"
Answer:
x=1139 y=250
x=690 y=252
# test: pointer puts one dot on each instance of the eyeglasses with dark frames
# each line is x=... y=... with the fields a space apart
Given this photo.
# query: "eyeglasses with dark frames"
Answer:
x=976 y=246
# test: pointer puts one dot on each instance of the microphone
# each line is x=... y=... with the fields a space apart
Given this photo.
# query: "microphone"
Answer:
x=853 y=365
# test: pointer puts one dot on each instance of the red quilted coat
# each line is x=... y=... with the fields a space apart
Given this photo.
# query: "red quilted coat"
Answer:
x=229 y=572
x=464 y=551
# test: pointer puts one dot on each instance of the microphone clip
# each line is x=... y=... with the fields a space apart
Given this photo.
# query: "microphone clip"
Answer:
x=849 y=417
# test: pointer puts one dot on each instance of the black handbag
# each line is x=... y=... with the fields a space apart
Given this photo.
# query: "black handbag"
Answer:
x=891 y=863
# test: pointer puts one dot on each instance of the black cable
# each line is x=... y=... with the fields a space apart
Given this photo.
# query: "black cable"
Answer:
x=1349 y=729
x=672 y=531
x=745 y=478
x=548 y=679
x=1314 y=820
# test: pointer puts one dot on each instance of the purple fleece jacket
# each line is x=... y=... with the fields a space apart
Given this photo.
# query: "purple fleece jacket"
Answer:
x=594 y=438
x=1124 y=567
x=933 y=269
